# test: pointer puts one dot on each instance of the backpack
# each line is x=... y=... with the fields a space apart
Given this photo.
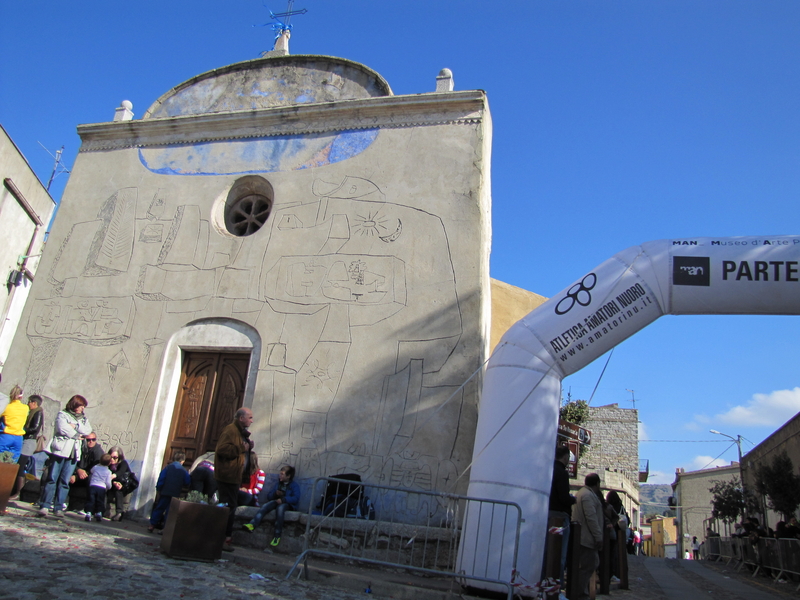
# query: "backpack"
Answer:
x=346 y=498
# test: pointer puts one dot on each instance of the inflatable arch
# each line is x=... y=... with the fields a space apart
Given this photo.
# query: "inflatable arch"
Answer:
x=518 y=419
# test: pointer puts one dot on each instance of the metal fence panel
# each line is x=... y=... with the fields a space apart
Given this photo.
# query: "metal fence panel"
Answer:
x=713 y=547
x=406 y=528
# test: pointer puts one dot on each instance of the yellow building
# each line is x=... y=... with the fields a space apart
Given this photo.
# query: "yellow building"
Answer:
x=663 y=537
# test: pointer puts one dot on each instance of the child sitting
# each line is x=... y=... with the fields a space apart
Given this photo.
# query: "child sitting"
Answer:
x=248 y=494
x=284 y=495
x=99 y=483
x=170 y=484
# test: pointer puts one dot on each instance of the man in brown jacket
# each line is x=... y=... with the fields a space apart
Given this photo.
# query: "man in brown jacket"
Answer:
x=230 y=458
x=588 y=511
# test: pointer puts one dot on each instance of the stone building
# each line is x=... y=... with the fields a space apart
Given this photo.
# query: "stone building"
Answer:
x=693 y=501
x=284 y=234
x=785 y=438
x=613 y=453
x=25 y=211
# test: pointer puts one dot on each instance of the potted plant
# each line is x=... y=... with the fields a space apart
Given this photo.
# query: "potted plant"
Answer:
x=8 y=476
x=195 y=529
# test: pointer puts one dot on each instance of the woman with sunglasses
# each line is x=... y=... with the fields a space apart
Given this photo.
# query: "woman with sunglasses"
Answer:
x=63 y=453
x=121 y=470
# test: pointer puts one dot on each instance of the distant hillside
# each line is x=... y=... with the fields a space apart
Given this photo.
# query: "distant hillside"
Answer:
x=653 y=499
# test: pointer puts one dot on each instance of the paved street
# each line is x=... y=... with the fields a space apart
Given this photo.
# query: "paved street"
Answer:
x=68 y=558
x=43 y=559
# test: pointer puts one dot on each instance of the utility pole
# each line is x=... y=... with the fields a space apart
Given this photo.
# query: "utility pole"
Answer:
x=738 y=441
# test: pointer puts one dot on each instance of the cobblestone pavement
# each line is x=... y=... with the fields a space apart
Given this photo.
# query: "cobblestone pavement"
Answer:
x=43 y=559
x=67 y=558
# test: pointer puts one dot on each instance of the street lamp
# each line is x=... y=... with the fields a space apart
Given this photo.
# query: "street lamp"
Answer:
x=738 y=441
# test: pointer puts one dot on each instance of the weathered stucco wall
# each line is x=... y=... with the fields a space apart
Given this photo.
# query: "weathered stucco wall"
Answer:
x=25 y=211
x=363 y=298
x=693 y=500
x=509 y=305
x=785 y=439
x=270 y=82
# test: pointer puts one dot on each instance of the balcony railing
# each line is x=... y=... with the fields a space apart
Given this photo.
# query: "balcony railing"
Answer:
x=644 y=470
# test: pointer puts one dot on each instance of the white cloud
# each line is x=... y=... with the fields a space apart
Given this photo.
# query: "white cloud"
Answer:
x=659 y=477
x=643 y=432
x=770 y=410
x=706 y=462
x=763 y=410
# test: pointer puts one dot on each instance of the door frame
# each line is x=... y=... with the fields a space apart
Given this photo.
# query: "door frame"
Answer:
x=203 y=335
x=209 y=403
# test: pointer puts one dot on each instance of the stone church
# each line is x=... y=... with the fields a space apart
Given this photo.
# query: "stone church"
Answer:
x=284 y=234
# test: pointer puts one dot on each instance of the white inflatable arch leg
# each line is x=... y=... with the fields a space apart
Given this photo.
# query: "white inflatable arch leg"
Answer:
x=518 y=417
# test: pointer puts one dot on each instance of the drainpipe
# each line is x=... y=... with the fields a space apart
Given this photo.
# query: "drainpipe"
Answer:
x=15 y=277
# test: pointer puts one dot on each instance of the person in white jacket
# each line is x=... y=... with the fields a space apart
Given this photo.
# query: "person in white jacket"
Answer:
x=64 y=452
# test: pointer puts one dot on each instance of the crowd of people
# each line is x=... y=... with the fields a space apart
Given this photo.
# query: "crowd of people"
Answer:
x=233 y=478
x=77 y=469
x=80 y=475
x=751 y=528
x=596 y=515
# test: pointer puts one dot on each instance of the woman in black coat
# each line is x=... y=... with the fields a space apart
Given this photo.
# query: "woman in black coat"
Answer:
x=122 y=471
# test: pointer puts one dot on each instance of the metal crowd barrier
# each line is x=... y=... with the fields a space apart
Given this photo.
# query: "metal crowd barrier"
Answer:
x=408 y=529
x=727 y=549
x=778 y=557
x=712 y=547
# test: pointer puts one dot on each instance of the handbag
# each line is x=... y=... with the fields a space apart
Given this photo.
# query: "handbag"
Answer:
x=129 y=482
x=41 y=443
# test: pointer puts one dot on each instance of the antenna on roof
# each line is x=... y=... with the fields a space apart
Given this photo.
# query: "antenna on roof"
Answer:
x=633 y=397
x=56 y=166
x=282 y=28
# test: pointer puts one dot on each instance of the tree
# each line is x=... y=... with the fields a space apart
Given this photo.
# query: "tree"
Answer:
x=779 y=483
x=729 y=500
x=576 y=411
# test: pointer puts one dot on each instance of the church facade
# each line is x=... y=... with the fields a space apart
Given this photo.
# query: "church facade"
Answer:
x=284 y=234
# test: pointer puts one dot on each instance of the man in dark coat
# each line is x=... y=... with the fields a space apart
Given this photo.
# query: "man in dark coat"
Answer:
x=230 y=464
x=91 y=454
x=561 y=502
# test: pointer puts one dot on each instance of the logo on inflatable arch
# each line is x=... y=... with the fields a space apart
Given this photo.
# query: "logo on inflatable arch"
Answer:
x=691 y=270
x=577 y=294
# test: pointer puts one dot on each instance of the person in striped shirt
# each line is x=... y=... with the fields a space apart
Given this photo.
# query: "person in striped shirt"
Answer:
x=248 y=494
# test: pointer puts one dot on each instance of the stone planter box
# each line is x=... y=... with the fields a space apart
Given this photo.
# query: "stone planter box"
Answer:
x=8 y=476
x=194 y=531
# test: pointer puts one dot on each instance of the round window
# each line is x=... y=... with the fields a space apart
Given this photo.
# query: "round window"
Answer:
x=248 y=205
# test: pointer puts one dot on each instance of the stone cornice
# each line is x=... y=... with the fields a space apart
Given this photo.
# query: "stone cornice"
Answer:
x=417 y=110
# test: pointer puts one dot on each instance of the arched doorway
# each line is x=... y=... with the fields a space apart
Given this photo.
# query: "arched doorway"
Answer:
x=218 y=359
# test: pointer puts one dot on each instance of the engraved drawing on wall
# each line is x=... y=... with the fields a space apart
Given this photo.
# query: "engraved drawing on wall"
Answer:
x=364 y=279
x=354 y=297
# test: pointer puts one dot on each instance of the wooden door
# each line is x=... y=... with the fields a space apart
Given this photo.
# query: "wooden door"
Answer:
x=210 y=392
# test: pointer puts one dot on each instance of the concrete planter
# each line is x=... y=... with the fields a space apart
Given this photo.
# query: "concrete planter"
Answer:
x=194 y=531
x=8 y=475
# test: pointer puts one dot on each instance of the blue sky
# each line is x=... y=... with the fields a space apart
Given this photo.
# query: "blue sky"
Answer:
x=615 y=123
